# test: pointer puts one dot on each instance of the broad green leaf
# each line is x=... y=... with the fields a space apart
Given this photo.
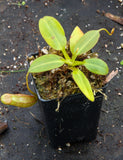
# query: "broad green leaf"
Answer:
x=52 y=32
x=74 y=38
x=96 y=65
x=83 y=83
x=46 y=63
x=87 y=42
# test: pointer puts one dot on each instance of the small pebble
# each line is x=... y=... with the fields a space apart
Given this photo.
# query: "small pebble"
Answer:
x=68 y=144
x=6 y=49
x=9 y=27
x=57 y=14
x=19 y=57
x=1 y=146
x=120 y=141
x=31 y=82
x=119 y=94
x=14 y=58
x=46 y=4
x=13 y=50
x=59 y=149
x=121 y=34
x=15 y=67
x=4 y=54
x=45 y=51
x=118 y=47
x=106 y=45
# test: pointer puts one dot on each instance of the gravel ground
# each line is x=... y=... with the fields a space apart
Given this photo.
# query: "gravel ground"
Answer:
x=19 y=35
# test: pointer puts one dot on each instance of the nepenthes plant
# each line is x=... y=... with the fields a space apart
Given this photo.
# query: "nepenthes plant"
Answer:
x=80 y=43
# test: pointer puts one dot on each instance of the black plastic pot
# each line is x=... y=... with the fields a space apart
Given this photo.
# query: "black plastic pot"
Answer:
x=77 y=119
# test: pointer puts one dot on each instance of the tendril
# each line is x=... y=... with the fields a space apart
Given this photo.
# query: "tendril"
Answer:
x=104 y=29
x=27 y=84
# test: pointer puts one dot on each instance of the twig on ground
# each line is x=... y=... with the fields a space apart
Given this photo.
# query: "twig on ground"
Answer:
x=38 y=120
x=110 y=76
x=114 y=18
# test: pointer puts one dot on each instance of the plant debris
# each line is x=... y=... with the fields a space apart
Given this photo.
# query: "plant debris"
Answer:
x=110 y=76
x=3 y=125
x=114 y=18
x=111 y=16
x=38 y=120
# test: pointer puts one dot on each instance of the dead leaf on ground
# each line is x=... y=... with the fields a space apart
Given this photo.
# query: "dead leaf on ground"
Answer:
x=3 y=125
x=110 y=76
x=114 y=18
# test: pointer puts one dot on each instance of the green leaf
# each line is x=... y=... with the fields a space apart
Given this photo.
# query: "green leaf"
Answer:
x=74 y=38
x=121 y=62
x=87 y=42
x=96 y=65
x=52 y=32
x=46 y=63
x=83 y=83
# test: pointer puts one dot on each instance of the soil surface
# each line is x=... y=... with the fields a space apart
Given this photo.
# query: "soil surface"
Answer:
x=25 y=138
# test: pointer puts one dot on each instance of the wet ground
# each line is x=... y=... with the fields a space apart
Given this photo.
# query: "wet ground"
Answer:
x=25 y=138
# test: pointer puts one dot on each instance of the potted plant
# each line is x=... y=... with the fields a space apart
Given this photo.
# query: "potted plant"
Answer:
x=70 y=83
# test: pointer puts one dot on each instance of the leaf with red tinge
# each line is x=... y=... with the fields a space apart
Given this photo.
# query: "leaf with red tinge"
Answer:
x=52 y=32
x=74 y=38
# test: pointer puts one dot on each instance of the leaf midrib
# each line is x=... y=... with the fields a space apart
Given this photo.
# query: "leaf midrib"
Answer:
x=88 y=42
x=54 y=34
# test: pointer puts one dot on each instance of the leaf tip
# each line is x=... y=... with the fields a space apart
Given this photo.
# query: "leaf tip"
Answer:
x=112 y=31
x=6 y=98
x=91 y=97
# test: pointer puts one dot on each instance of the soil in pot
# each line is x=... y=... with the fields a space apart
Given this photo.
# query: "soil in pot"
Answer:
x=58 y=83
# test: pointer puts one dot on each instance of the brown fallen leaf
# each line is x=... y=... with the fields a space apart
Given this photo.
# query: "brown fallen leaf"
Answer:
x=110 y=76
x=114 y=18
x=3 y=125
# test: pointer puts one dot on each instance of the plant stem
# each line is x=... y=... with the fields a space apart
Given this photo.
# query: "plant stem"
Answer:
x=74 y=57
x=27 y=84
x=77 y=63
x=65 y=54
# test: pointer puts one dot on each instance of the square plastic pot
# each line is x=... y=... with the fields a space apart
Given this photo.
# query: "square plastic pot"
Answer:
x=77 y=119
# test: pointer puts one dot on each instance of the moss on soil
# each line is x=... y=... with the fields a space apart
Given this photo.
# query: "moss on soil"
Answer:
x=58 y=82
